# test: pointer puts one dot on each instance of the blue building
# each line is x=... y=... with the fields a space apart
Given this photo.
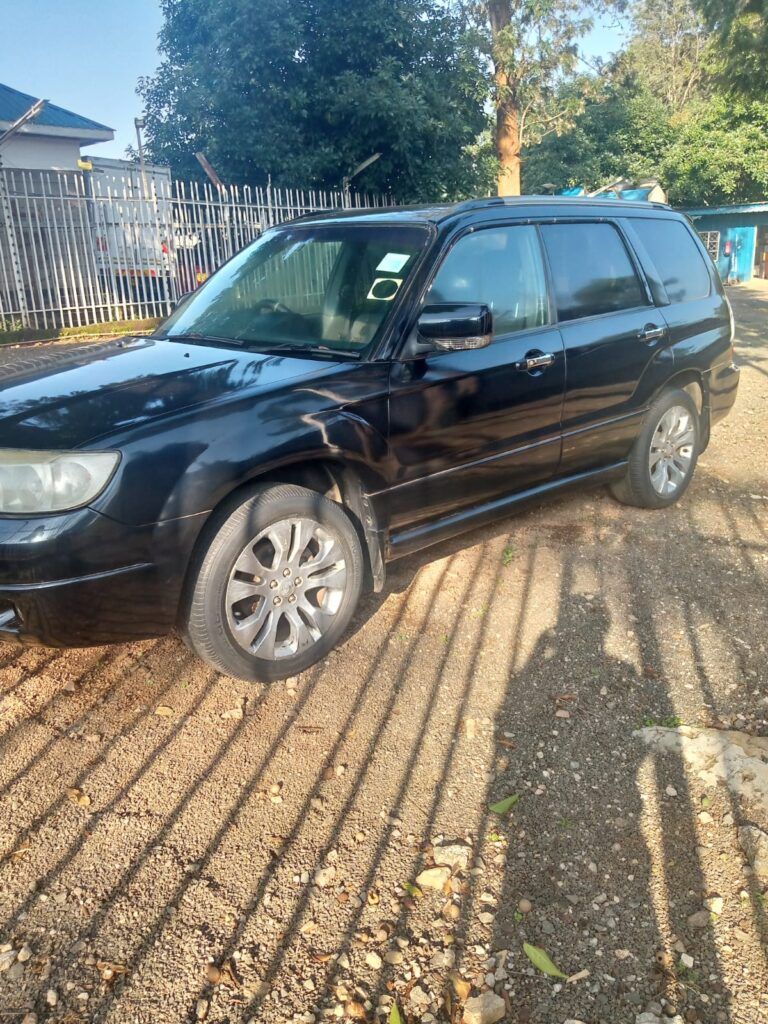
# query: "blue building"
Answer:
x=736 y=238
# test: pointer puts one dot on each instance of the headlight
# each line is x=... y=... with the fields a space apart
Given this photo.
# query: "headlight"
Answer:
x=35 y=482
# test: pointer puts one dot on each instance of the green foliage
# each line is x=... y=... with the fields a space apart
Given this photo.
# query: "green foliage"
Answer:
x=508 y=554
x=623 y=132
x=719 y=154
x=668 y=721
x=657 y=113
x=534 y=45
x=529 y=49
x=741 y=55
x=304 y=90
x=668 y=51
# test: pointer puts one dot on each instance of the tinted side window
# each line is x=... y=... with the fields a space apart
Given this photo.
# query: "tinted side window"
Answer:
x=677 y=258
x=502 y=267
x=591 y=270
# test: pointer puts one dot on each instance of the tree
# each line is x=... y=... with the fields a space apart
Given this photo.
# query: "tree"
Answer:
x=667 y=50
x=531 y=46
x=741 y=55
x=303 y=91
x=623 y=131
x=719 y=154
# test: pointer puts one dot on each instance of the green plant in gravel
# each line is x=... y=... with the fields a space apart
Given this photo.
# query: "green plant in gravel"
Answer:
x=394 y=1015
x=566 y=824
x=508 y=554
x=668 y=721
x=689 y=977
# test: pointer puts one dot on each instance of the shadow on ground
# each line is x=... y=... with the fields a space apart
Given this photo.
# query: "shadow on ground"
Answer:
x=176 y=845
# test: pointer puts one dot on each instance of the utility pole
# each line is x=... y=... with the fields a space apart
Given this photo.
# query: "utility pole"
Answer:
x=5 y=211
x=139 y=125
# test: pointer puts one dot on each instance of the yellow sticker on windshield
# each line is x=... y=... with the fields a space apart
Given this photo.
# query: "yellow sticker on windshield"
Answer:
x=385 y=288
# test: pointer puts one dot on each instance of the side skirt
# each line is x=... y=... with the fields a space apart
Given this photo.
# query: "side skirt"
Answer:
x=407 y=541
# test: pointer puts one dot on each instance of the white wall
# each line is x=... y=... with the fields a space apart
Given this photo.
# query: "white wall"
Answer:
x=41 y=153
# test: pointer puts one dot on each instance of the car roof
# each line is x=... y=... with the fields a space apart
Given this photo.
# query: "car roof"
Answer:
x=528 y=205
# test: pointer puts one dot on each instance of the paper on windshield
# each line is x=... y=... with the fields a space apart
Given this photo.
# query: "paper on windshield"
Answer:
x=393 y=263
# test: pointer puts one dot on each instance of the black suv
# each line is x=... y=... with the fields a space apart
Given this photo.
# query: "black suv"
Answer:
x=347 y=389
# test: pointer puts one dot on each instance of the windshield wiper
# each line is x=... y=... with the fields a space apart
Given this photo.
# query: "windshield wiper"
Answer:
x=325 y=351
x=196 y=336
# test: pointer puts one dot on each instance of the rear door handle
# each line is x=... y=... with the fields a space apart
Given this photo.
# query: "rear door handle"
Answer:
x=539 y=361
x=651 y=332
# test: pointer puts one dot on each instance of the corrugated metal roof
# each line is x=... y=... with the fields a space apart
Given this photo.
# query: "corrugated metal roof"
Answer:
x=14 y=103
x=723 y=211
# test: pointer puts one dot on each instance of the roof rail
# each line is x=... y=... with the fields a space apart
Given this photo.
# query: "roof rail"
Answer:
x=478 y=204
x=495 y=201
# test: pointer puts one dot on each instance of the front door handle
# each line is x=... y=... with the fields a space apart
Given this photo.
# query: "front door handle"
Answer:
x=651 y=332
x=535 y=361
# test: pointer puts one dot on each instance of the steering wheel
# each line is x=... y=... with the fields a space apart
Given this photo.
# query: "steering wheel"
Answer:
x=273 y=306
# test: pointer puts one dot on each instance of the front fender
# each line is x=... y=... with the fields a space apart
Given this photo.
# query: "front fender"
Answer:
x=190 y=467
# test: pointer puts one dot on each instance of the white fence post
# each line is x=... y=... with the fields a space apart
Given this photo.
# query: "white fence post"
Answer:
x=17 y=275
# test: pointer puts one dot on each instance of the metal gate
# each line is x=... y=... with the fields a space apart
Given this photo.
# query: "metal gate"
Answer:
x=77 y=248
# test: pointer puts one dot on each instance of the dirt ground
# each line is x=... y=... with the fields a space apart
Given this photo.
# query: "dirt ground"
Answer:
x=176 y=845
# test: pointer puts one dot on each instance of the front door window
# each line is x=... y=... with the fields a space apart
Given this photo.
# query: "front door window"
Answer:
x=501 y=267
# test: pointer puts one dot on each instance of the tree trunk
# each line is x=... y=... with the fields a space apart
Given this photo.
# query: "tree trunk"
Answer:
x=508 y=141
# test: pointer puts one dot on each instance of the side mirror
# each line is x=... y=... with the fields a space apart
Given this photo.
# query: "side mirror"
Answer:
x=456 y=327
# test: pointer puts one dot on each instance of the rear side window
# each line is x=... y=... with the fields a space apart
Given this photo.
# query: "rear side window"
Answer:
x=591 y=270
x=677 y=258
x=501 y=267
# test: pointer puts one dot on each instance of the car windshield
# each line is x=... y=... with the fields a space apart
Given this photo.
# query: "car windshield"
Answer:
x=313 y=287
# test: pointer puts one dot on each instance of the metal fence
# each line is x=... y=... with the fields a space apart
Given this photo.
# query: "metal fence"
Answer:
x=78 y=248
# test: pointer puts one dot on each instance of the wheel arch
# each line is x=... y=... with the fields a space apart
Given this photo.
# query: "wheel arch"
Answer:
x=327 y=474
x=694 y=383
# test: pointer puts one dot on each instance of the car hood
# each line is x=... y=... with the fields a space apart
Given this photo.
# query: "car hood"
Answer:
x=71 y=396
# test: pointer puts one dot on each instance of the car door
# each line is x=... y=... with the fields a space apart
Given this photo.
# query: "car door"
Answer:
x=469 y=426
x=612 y=334
x=688 y=290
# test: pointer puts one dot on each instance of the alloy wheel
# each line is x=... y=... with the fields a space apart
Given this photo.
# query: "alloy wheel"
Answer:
x=671 y=452
x=285 y=588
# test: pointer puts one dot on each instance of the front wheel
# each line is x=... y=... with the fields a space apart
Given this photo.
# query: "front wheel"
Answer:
x=663 y=458
x=276 y=586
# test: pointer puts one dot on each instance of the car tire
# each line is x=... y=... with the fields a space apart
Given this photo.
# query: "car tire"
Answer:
x=663 y=458
x=276 y=585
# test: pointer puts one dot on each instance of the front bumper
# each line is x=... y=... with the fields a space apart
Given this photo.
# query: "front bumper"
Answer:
x=80 y=578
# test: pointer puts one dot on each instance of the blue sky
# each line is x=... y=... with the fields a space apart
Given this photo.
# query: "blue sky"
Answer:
x=83 y=55
x=87 y=56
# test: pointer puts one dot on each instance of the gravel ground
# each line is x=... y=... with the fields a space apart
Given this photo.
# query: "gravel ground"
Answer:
x=176 y=845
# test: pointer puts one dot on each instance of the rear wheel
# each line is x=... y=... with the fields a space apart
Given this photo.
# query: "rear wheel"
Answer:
x=663 y=458
x=277 y=584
